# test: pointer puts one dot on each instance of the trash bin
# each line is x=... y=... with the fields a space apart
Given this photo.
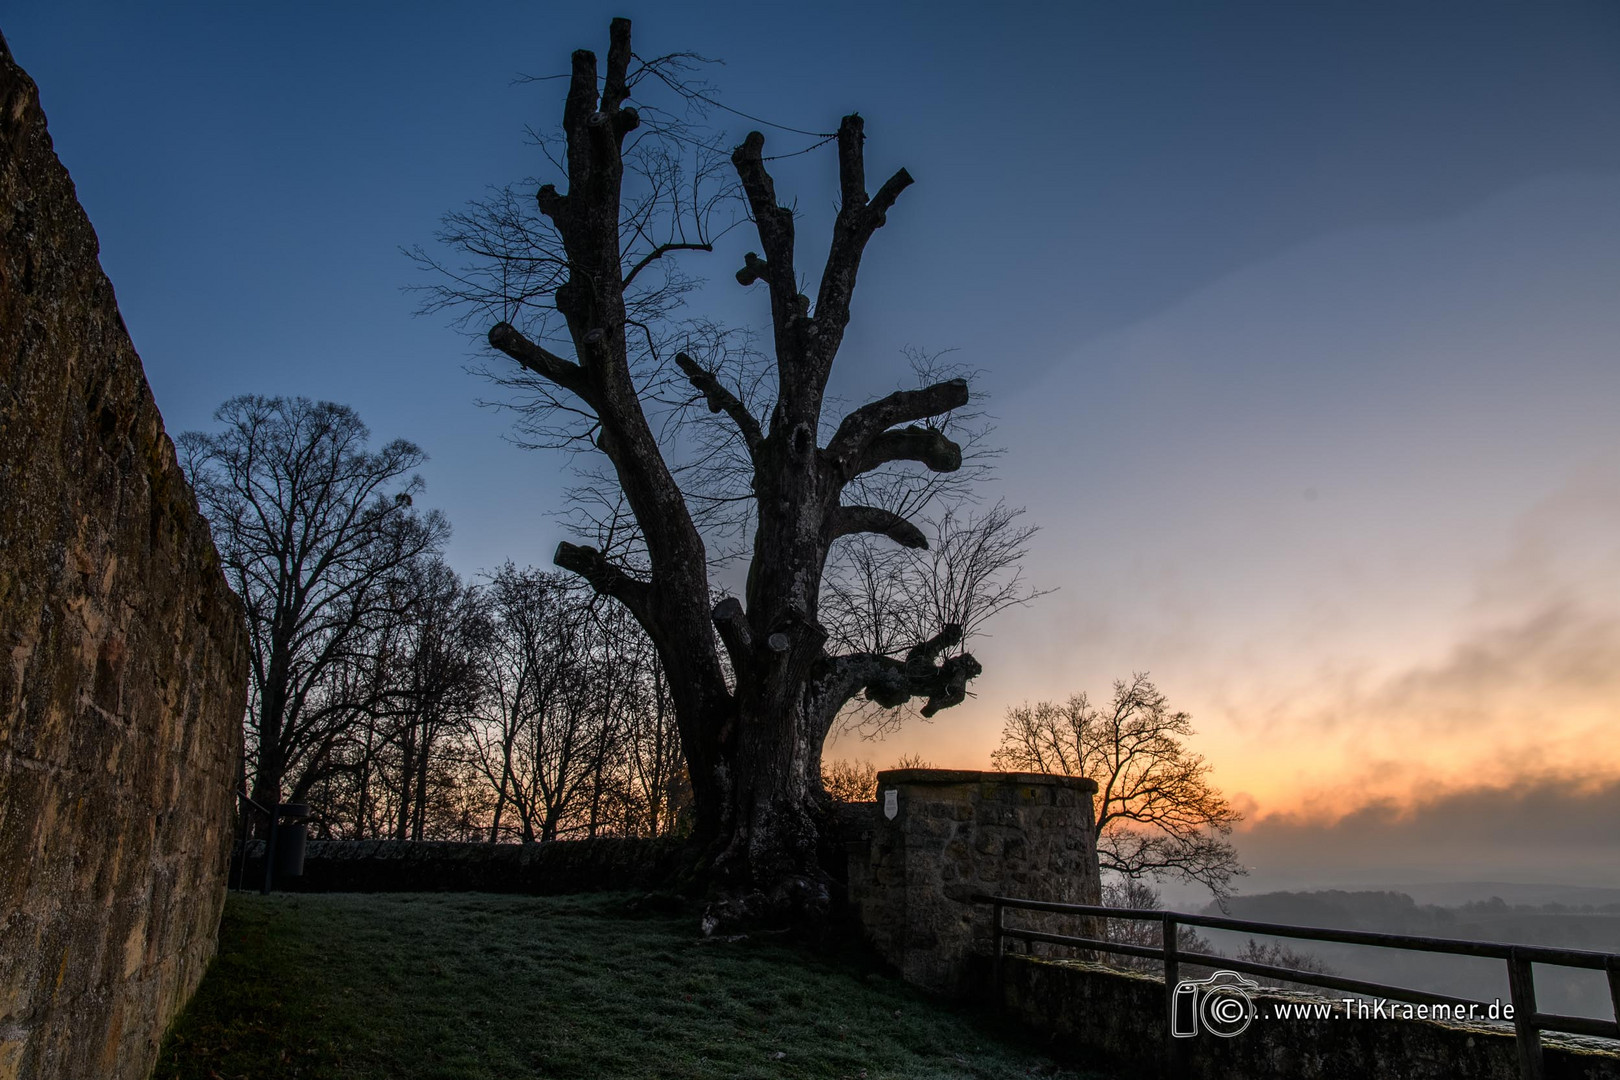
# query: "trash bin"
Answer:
x=292 y=835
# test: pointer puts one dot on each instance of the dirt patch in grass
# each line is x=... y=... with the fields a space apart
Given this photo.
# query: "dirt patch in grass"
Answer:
x=473 y=986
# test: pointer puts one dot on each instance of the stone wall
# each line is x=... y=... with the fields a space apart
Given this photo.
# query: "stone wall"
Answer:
x=123 y=659
x=1108 y=1019
x=563 y=866
x=940 y=837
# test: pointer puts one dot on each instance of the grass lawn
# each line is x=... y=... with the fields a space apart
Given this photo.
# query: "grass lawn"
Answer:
x=472 y=985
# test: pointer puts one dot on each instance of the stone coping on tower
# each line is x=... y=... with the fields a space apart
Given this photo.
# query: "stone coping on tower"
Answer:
x=974 y=776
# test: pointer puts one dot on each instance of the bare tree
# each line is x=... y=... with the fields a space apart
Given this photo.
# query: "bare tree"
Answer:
x=1136 y=895
x=882 y=599
x=438 y=682
x=579 y=291
x=534 y=742
x=849 y=781
x=1279 y=954
x=317 y=534
x=1157 y=813
x=655 y=771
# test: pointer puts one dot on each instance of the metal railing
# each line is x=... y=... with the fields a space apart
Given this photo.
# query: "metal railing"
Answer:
x=1528 y=1021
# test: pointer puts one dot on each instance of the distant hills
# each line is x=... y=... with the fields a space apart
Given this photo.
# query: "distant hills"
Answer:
x=1571 y=917
x=1453 y=893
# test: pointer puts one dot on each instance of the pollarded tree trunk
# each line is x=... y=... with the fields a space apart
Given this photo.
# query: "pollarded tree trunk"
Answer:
x=753 y=748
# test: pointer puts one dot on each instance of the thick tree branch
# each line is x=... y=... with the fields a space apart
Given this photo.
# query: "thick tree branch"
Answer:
x=858 y=219
x=604 y=577
x=860 y=427
x=775 y=225
x=540 y=360
x=845 y=520
x=891 y=683
x=732 y=625
x=753 y=269
x=615 y=88
x=551 y=204
x=884 y=200
x=852 y=161
x=577 y=109
x=923 y=654
x=721 y=400
x=924 y=444
x=948 y=686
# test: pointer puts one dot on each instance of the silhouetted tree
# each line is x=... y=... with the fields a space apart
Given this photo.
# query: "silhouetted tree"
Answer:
x=581 y=288
x=1137 y=895
x=534 y=739
x=437 y=684
x=317 y=535
x=881 y=599
x=1156 y=811
x=1280 y=955
x=655 y=773
x=849 y=781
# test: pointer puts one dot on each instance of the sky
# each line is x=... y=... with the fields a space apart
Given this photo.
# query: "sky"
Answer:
x=1300 y=322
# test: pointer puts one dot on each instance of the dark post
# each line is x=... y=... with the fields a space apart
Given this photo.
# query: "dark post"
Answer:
x=1172 y=975
x=242 y=835
x=292 y=839
x=1611 y=968
x=269 y=855
x=1522 y=988
x=996 y=953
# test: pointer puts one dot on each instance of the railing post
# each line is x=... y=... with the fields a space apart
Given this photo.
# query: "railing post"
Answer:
x=269 y=854
x=243 y=804
x=1611 y=968
x=1172 y=976
x=996 y=954
x=1522 y=989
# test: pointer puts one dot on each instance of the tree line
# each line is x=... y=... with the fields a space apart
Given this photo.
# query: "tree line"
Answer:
x=394 y=696
x=401 y=700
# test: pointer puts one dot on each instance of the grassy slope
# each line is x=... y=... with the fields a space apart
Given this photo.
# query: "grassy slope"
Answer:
x=474 y=986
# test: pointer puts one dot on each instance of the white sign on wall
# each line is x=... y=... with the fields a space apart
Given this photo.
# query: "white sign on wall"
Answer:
x=891 y=803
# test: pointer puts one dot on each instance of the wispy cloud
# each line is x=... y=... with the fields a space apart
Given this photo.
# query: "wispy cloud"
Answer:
x=1526 y=681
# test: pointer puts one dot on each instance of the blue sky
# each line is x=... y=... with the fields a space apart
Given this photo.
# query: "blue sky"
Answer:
x=1300 y=319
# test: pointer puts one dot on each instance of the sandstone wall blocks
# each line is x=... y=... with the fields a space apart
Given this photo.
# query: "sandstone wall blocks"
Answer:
x=1008 y=833
x=123 y=659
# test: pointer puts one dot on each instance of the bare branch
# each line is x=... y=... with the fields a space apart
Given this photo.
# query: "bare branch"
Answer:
x=1156 y=811
x=541 y=361
x=732 y=625
x=722 y=400
x=605 y=577
x=658 y=253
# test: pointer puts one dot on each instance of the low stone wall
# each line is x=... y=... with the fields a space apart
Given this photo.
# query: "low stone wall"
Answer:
x=1098 y=1016
x=123 y=658
x=563 y=866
